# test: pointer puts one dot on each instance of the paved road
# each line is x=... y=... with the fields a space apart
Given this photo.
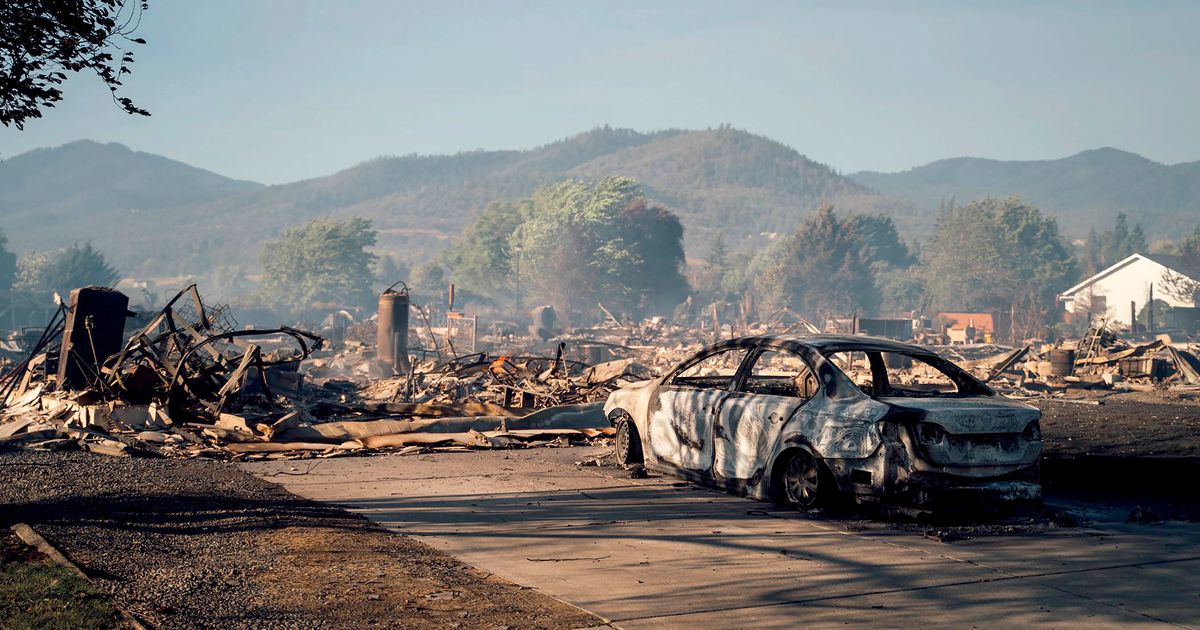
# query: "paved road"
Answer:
x=657 y=553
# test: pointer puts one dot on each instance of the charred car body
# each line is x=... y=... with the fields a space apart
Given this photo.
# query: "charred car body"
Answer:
x=799 y=419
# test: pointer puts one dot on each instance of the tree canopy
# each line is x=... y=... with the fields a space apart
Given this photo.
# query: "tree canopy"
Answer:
x=999 y=255
x=41 y=274
x=829 y=265
x=323 y=261
x=1111 y=246
x=573 y=244
x=41 y=41
x=1184 y=283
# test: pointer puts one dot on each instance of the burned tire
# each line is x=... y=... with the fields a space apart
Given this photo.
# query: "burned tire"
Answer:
x=803 y=482
x=627 y=445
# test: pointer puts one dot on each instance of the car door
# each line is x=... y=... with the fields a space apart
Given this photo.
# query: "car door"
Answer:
x=687 y=403
x=774 y=387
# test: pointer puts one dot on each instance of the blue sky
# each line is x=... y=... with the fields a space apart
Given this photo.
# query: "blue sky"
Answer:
x=278 y=91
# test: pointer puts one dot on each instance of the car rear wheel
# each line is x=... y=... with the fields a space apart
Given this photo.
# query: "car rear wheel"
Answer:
x=627 y=444
x=803 y=483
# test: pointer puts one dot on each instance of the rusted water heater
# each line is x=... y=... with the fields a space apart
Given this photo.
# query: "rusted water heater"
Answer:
x=391 y=338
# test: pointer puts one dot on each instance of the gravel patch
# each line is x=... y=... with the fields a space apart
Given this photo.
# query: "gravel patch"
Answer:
x=200 y=544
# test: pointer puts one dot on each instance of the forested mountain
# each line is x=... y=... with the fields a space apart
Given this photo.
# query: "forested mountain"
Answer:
x=1083 y=190
x=87 y=190
x=154 y=216
x=715 y=179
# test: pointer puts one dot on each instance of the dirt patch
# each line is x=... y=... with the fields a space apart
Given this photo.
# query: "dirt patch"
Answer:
x=374 y=577
x=1130 y=453
x=1125 y=425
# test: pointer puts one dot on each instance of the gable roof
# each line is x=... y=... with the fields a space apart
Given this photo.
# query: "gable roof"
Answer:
x=1174 y=263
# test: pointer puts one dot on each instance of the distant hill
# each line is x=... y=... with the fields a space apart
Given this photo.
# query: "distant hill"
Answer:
x=154 y=216
x=1082 y=190
x=719 y=179
x=85 y=190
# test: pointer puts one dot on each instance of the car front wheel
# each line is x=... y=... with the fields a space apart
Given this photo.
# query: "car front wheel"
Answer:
x=627 y=444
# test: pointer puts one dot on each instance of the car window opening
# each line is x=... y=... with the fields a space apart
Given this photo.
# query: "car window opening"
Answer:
x=715 y=371
x=778 y=373
x=905 y=375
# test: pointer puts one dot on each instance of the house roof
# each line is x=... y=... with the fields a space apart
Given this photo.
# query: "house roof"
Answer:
x=1174 y=263
x=979 y=321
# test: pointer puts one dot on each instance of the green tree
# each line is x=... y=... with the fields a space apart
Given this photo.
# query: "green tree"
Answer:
x=825 y=268
x=1136 y=244
x=485 y=261
x=324 y=261
x=1161 y=313
x=573 y=244
x=389 y=270
x=714 y=276
x=881 y=240
x=1184 y=282
x=999 y=255
x=718 y=254
x=1116 y=240
x=1112 y=246
x=901 y=290
x=429 y=281
x=58 y=272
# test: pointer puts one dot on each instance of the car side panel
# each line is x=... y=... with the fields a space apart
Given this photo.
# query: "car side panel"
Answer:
x=681 y=425
x=747 y=426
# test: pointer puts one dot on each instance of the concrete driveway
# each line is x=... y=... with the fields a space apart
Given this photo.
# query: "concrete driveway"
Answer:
x=658 y=553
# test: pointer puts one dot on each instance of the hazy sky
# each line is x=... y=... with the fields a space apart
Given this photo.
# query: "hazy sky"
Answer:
x=282 y=90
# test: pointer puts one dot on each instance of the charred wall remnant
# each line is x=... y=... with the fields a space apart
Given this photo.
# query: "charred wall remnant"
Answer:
x=94 y=331
x=191 y=358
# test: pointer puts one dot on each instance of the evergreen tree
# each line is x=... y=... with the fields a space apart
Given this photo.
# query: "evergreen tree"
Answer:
x=999 y=255
x=825 y=268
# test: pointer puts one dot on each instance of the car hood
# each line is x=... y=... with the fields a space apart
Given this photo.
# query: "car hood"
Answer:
x=631 y=398
x=638 y=386
x=965 y=416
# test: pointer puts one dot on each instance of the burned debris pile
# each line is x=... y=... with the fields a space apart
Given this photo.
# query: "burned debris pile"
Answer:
x=189 y=383
x=1099 y=360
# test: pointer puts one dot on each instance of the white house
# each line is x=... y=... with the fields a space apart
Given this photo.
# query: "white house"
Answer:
x=1110 y=292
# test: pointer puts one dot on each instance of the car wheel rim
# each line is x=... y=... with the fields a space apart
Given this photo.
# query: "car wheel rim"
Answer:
x=802 y=480
x=623 y=442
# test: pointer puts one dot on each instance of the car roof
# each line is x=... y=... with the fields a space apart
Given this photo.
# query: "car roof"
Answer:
x=824 y=343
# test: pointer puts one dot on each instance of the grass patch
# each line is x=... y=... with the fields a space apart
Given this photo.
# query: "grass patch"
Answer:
x=37 y=594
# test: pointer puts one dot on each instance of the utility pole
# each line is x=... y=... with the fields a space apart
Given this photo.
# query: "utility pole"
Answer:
x=1150 y=311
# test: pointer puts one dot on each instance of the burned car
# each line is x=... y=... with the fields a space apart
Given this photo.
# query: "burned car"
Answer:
x=801 y=419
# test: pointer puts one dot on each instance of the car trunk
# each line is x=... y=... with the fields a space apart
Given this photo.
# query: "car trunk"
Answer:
x=968 y=432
